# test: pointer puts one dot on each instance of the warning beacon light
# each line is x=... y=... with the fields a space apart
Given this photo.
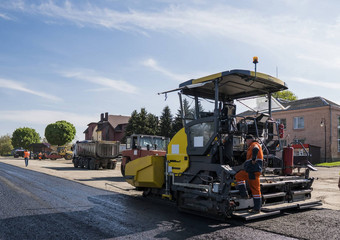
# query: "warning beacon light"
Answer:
x=255 y=61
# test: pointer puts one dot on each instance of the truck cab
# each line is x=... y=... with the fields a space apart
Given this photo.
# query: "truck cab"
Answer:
x=140 y=145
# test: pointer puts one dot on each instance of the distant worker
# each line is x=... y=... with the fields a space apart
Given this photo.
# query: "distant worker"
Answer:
x=26 y=156
x=251 y=173
x=40 y=155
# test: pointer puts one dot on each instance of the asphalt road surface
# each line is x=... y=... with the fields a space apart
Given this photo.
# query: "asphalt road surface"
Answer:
x=39 y=206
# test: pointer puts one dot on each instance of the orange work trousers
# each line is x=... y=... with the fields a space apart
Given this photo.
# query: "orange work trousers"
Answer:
x=241 y=178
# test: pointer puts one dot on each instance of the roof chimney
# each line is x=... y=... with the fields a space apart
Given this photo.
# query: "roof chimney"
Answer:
x=102 y=117
x=106 y=116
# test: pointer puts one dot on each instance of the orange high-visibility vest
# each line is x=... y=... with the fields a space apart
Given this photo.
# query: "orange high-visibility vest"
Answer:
x=26 y=154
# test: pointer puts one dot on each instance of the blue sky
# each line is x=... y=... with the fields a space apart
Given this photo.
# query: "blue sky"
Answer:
x=72 y=60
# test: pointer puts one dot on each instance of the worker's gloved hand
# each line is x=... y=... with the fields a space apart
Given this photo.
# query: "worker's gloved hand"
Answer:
x=251 y=175
x=251 y=167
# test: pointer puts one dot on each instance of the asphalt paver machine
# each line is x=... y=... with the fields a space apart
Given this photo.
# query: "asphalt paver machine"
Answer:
x=198 y=171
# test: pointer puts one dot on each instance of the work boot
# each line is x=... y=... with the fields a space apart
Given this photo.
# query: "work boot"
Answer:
x=243 y=191
x=257 y=204
x=253 y=211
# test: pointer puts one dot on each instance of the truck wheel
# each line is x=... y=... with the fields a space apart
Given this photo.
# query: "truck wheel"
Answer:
x=122 y=165
x=122 y=170
x=113 y=165
x=146 y=192
x=68 y=157
x=75 y=162
x=92 y=164
x=53 y=156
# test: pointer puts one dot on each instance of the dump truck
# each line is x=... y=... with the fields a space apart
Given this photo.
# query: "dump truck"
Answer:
x=198 y=171
x=96 y=154
x=18 y=153
x=141 y=145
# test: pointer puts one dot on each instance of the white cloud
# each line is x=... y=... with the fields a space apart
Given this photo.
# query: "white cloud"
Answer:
x=108 y=83
x=321 y=84
x=151 y=63
x=10 y=84
x=4 y=16
x=14 y=4
x=285 y=32
x=322 y=59
x=282 y=33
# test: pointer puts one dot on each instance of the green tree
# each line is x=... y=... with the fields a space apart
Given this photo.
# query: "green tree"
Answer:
x=5 y=145
x=60 y=133
x=152 y=124
x=130 y=128
x=177 y=123
x=142 y=123
x=286 y=95
x=23 y=137
x=165 y=123
x=189 y=112
x=200 y=107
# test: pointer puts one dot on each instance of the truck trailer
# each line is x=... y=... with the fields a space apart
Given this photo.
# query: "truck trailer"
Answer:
x=198 y=171
x=96 y=154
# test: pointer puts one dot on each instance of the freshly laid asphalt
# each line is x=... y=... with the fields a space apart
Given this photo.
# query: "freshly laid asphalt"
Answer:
x=40 y=202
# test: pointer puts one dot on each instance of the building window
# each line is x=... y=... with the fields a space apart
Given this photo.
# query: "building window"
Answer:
x=298 y=141
x=338 y=134
x=282 y=121
x=299 y=123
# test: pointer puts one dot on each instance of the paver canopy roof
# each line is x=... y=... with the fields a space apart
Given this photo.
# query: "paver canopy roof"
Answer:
x=233 y=84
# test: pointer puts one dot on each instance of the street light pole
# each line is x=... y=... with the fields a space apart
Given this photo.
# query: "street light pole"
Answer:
x=323 y=124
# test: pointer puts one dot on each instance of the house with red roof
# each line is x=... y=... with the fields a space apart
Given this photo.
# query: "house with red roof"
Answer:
x=109 y=128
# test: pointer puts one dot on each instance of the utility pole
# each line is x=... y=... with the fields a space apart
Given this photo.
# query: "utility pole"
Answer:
x=323 y=124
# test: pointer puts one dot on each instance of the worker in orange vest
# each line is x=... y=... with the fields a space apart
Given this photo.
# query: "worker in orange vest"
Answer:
x=251 y=173
x=40 y=154
x=26 y=156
